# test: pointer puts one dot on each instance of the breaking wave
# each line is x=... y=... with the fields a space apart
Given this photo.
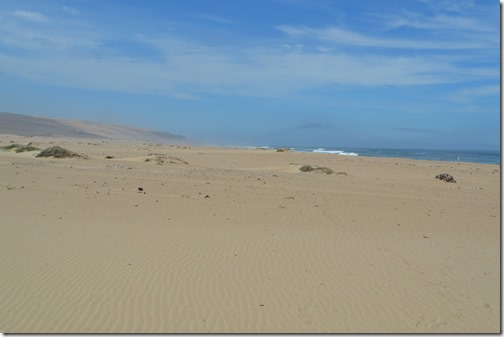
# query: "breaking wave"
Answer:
x=340 y=152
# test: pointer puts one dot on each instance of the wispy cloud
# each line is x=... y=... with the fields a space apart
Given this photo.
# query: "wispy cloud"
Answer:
x=214 y=18
x=342 y=36
x=436 y=22
x=313 y=126
x=470 y=94
x=457 y=6
x=189 y=68
x=417 y=130
x=243 y=70
x=47 y=43
x=70 y=10
x=31 y=16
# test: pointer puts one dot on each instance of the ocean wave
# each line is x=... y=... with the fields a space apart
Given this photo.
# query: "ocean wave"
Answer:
x=342 y=153
x=251 y=147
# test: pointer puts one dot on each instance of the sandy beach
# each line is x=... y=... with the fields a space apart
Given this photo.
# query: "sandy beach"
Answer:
x=173 y=238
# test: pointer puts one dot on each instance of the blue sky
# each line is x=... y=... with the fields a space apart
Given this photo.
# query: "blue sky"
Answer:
x=366 y=73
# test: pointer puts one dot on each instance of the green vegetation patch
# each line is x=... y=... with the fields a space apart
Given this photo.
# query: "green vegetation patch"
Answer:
x=18 y=148
x=309 y=168
x=58 y=152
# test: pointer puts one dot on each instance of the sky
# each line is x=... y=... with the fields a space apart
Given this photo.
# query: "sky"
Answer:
x=421 y=74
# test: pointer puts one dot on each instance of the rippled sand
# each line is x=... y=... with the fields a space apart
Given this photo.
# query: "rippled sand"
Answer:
x=230 y=240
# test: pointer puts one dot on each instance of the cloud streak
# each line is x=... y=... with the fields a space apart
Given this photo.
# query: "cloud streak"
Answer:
x=474 y=93
x=338 y=35
x=70 y=10
x=214 y=18
x=188 y=68
x=313 y=126
x=264 y=72
x=415 y=130
x=437 y=22
x=31 y=16
x=208 y=70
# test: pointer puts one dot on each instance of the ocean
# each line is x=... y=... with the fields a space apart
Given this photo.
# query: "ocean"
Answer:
x=483 y=157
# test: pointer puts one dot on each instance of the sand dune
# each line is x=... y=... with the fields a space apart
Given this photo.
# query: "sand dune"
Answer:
x=24 y=125
x=242 y=241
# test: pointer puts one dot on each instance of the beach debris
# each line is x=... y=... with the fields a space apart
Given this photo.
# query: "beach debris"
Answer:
x=342 y=173
x=58 y=152
x=207 y=196
x=109 y=157
x=282 y=149
x=176 y=160
x=18 y=148
x=446 y=177
x=309 y=168
x=306 y=168
x=160 y=159
x=140 y=189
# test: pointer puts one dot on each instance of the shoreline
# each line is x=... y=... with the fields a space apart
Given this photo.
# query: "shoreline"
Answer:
x=361 y=152
x=298 y=149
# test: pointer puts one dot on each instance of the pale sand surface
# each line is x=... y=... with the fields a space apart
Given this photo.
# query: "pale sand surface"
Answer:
x=385 y=248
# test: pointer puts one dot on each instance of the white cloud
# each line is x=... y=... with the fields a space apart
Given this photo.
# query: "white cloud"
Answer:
x=458 y=6
x=265 y=73
x=467 y=95
x=188 y=69
x=15 y=35
x=341 y=36
x=437 y=22
x=214 y=18
x=70 y=10
x=46 y=43
x=31 y=16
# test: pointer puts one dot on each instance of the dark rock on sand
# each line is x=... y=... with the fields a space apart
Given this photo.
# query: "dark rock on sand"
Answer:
x=446 y=177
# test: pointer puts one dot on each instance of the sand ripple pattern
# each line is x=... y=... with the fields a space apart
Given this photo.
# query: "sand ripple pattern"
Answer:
x=222 y=244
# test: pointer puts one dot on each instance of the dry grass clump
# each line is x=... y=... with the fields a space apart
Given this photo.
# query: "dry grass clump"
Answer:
x=160 y=159
x=18 y=148
x=309 y=168
x=306 y=168
x=10 y=147
x=58 y=152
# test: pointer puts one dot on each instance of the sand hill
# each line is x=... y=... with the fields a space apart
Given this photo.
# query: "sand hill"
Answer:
x=24 y=125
